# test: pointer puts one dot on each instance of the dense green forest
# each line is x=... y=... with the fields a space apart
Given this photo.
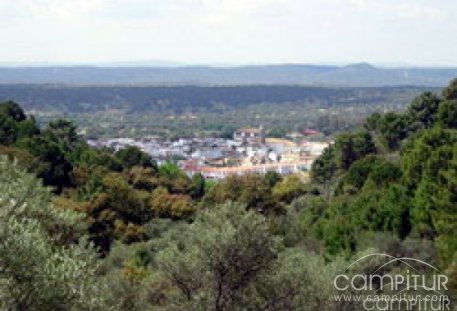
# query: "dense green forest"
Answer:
x=87 y=229
x=180 y=99
x=177 y=111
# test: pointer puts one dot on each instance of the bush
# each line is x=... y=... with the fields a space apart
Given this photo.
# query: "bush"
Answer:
x=36 y=273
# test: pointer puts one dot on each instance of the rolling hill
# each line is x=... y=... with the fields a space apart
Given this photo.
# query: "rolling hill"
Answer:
x=361 y=75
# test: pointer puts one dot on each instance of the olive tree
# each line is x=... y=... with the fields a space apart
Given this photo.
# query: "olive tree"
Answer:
x=228 y=260
x=41 y=267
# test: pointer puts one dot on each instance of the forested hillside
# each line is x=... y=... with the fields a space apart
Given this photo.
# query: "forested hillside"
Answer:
x=362 y=74
x=181 y=99
x=139 y=111
x=86 y=229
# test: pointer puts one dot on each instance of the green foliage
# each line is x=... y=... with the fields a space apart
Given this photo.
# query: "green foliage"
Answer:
x=272 y=178
x=27 y=128
x=255 y=191
x=350 y=147
x=23 y=158
x=447 y=114
x=288 y=189
x=375 y=168
x=117 y=211
x=36 y=273
x=82 y=155
x=180 y=245
x=197 y=186
x=376 y=195
x=450 y=92
x=63 y=131
x=14 y=124
x=129 y=203
x=427 y=154
x=393 y=128
x=417 y=197
x=422 y=111
x=142 y=178
x=13 y=111
x=340 y=223
x=430 y=163
x=219 y=257
x=133 y=156
x=394 y=211
x=8 y=130
x=338 y=158
x=227 y=260
x=170 y=170
x=324 y=168
x=336 y=229
x=372 y=121
x=175 y=180
x=53 y=168
x=217 y=110
x=174 y=206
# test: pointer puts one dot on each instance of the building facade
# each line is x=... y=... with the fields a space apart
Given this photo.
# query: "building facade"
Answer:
x=250 y=135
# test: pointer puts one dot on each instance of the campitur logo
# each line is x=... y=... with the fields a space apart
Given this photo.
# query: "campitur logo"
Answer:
x=384 y=282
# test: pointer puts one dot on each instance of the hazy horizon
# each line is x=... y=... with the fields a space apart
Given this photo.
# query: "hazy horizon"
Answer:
x=173 y=64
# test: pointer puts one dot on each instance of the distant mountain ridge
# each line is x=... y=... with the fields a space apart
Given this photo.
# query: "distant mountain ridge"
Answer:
x=362 y=74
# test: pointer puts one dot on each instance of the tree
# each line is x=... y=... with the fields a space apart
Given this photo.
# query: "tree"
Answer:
x=173 y=178
x=14 y=124
x=133 y=156
x=227 y=260
x=63 y=131
x=12 y=110
x=429 y=164
x=142 y=178
x=37 y=272
x=422 y=111
x=174 y=206
x=324 y=169
x=393 y=128
x=450 y=93
x=197 y=186
x=53 y=168
x=272 y=178
x=170 y=170
x=27 y=128
x=82 y=154
x=250 y=189
x=426 y=154
x=8 y=130
x=372 y=121
x=336 y=228
x=288 y=189
x=350 y=147
x=363 y=143
x=371 y=167
x=130 y=205
x=447 y=114
x=346 y=153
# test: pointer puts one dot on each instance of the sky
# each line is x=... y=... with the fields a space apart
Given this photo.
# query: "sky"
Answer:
x=389 y=32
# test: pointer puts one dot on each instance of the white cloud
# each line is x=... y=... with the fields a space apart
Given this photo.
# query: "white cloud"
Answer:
x=229 y=30
x=420 y=10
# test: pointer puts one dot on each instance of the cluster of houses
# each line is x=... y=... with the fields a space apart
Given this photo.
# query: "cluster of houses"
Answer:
x=250 y=151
